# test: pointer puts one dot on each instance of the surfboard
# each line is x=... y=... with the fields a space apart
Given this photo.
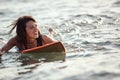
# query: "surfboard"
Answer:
x=51 y=47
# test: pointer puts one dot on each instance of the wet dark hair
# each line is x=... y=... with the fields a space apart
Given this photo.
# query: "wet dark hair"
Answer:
x=20 y=25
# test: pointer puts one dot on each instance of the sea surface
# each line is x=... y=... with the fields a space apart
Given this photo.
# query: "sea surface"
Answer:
x=89 y=30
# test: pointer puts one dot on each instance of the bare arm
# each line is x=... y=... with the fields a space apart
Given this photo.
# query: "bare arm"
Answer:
x=8 y=46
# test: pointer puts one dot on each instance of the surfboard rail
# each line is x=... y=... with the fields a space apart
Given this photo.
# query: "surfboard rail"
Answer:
x=51 y=47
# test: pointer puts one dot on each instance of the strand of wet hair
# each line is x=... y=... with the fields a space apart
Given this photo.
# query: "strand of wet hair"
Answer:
x=14 y=26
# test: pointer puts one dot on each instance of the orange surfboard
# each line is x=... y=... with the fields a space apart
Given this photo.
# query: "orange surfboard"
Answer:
x=51 y=47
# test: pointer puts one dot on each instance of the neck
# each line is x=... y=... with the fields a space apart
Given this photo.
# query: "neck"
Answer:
x=31 y=40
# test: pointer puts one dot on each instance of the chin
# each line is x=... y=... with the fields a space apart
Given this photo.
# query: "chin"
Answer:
x=36 y=36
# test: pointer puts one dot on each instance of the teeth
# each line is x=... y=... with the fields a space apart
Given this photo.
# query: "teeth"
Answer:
x=35 y=33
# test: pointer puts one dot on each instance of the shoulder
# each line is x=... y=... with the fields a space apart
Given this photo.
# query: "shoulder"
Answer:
x=47 y=39
x=45 y=36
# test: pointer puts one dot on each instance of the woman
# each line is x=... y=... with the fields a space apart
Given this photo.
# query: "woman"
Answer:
x=27 y=35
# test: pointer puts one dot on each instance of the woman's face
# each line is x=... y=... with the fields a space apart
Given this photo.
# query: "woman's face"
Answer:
x=32 y=30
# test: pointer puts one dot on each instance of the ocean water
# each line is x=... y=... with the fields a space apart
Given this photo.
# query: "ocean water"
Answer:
x=89 y=30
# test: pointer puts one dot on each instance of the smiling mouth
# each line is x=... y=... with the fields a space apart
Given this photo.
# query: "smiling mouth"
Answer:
x=35 y=33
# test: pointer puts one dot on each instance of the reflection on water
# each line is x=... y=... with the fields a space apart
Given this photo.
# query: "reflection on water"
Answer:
x=31 y=58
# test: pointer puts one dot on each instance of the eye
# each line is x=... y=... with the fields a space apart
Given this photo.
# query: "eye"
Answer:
x=31 y=27
x=36 y=25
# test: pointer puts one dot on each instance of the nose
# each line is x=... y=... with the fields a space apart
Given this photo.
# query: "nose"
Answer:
x=36 y=28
